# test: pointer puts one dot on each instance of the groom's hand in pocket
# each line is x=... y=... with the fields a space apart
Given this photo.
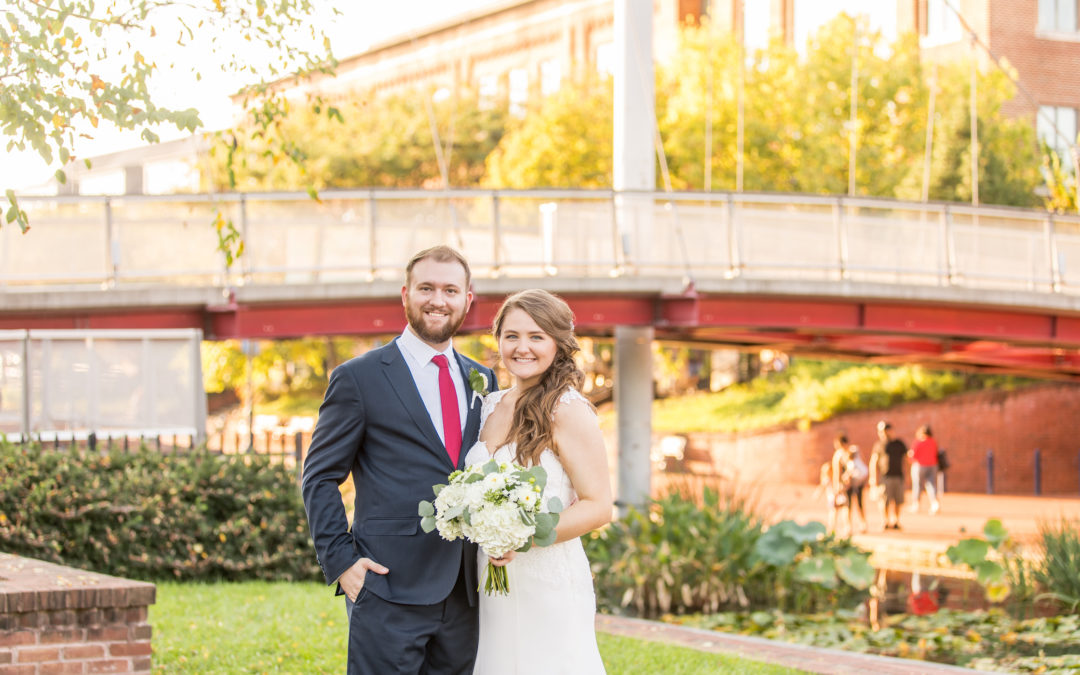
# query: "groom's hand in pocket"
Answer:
x=352 y=581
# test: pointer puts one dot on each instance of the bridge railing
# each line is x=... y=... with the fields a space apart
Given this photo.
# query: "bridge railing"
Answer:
x=360 y=235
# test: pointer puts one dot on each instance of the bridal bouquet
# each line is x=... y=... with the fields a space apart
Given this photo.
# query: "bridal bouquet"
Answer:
x=496 y=506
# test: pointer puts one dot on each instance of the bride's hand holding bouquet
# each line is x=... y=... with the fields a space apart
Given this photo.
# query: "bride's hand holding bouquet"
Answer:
x=497 y=506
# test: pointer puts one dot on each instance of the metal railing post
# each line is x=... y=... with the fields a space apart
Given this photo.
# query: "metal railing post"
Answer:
x=26 y=385
x=372 y=214
x=112 y=245
x=989 y=472
x=245 y=266
x=1038 y=472
x=948 y=253
x=840 y=226
x=1052 y=251
x=496 y=235
x=734 y=259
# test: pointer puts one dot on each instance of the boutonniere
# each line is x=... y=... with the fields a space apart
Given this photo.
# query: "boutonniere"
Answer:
x=478 y=383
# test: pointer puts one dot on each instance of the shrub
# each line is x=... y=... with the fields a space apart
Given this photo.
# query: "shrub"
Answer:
x=679 y=557
x=1059 y=571
x=147 y=515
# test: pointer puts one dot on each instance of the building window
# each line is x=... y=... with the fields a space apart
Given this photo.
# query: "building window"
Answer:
x=1064 y=118
x=605 y=59
x=519 y=91
x=755 y=25
x=487 y=88
x=942 y=24
x=1057 y=16
x=550 y=77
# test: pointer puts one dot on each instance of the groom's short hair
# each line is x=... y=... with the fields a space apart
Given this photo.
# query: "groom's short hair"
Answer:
x=439 y=253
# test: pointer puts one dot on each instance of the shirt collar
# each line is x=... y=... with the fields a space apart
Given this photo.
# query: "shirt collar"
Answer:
x=421 y=351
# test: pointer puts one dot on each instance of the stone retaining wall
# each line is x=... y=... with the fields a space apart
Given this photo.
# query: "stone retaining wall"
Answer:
x=55 y=619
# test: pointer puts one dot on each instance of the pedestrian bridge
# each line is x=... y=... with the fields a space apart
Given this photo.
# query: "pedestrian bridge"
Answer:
x=950 y=285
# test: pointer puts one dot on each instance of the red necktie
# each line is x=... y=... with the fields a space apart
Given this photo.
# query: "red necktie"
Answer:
x=451 y=420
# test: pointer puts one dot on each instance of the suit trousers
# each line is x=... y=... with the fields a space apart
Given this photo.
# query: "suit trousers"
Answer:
x=438 y=639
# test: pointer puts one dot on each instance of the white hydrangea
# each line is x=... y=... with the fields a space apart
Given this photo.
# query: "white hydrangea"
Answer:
x=496 y=507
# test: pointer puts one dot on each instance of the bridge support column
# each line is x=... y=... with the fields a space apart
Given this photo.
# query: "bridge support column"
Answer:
x=633 y=412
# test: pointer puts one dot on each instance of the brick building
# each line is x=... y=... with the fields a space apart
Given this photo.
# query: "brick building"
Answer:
x=515 y=48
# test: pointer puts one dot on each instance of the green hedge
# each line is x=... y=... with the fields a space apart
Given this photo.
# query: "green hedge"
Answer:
x=148 y=515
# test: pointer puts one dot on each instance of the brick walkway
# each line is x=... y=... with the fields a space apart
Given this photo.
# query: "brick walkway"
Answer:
x=809 y=659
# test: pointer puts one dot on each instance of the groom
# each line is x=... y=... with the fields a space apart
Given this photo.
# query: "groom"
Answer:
x=400 y=418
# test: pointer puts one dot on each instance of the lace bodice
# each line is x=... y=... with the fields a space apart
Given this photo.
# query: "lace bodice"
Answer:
x=553 y=563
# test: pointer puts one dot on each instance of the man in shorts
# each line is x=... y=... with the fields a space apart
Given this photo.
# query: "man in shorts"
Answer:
x=887 y=461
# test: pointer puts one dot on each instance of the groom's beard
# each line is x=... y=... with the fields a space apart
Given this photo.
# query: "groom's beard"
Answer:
x=418 y=322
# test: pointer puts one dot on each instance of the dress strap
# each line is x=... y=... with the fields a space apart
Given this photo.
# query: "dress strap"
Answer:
x=488 y=406
x=573 y=394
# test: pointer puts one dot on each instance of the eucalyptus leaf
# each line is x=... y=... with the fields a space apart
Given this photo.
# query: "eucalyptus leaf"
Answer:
x=427 y=523
x=426 y=509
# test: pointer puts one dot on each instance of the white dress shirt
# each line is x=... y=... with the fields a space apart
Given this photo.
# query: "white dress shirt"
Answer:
x=425 y=374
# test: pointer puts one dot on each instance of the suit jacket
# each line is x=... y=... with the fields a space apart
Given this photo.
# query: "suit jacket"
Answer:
x=373 y=424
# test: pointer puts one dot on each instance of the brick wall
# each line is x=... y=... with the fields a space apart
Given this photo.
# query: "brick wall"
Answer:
x=56 y=619
x=1012 y=424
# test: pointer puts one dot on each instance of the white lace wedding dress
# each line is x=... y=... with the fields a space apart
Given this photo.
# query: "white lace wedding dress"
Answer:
x=547 y=622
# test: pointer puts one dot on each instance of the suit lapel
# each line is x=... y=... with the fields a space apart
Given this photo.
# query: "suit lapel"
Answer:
x=401 y=380
x=473 y=405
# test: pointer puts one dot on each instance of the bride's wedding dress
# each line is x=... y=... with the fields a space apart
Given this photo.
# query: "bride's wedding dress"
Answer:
x=547 y=622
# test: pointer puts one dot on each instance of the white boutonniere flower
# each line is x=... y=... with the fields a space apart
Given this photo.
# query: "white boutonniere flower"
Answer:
x=479 y=385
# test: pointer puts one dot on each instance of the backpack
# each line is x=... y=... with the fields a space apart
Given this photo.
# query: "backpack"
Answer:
x=858 y=472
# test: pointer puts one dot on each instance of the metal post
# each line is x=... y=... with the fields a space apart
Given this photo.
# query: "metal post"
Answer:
x=989 y=472
x=853 y=134
x=91 y=442
x=372 y=214
x=1038 y=472
x=633 y=412
x=1052 y=252
x=112 y=244
x=298 y=451
x=496 y=235
x=734 y=259
x=245 y=267
x=26 y=385
x=841 y=236
x=947 y=251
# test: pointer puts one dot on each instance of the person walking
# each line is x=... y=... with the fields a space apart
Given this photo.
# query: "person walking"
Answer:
x=924 y=468
x=850 y=474
x=887 y=470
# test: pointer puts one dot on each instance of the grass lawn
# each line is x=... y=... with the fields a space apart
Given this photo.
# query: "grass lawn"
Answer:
x=260 y=627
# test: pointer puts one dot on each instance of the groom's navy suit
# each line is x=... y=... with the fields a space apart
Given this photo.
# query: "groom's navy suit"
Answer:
x=373 y=424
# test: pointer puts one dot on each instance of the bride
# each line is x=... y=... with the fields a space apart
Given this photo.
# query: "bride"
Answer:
x=546 y=622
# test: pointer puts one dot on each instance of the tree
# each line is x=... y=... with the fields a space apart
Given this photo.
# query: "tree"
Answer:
x=564 y=141
x=384 y=142
x=69 y=66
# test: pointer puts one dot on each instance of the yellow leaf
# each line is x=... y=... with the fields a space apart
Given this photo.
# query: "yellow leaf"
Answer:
x=221 y=536
x=77 y=43
x=96 y=83
x=94 y=121
x=57 y=121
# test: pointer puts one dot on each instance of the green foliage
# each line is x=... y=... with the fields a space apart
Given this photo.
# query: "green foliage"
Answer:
x=68 y=67
x=1061 y=184
x=280 y=368
x=982 y=640
x=999 y=566
x=679 y=557
x=566 y=142
x=811 y=391
x=796 y=120
x=353 y=146
x=147 y=515
x=1058 y=573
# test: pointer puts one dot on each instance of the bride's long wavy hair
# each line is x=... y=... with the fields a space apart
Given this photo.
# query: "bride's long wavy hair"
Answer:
x=533 y=424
